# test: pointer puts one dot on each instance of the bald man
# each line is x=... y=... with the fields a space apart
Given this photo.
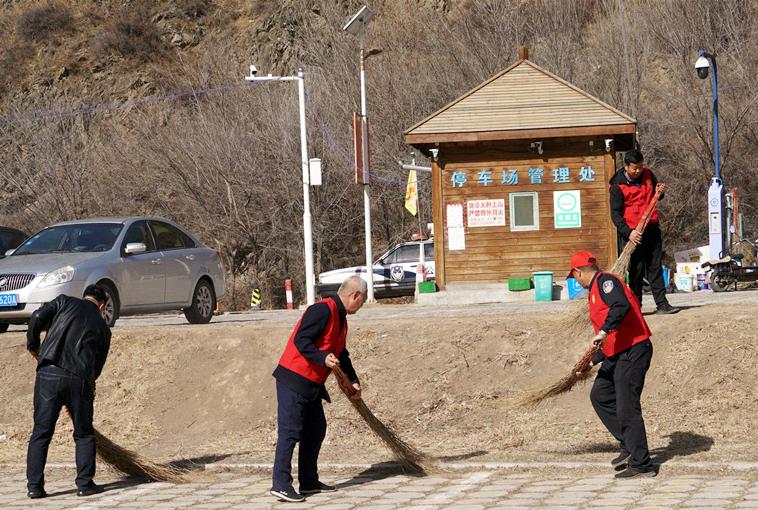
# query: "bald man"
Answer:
x=316 y=346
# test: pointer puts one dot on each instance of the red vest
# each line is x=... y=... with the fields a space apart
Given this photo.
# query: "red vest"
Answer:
x=633 y=329
x=332 y=339
x=637 y=198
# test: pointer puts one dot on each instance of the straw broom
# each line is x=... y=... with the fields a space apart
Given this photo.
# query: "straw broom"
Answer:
x=133 y=464
x=409 y=457
x=579 y=321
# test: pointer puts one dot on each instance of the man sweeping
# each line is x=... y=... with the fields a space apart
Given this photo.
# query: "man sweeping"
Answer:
x=68 y=363
x=632 y=188
x=315 y=347
x=625 y=353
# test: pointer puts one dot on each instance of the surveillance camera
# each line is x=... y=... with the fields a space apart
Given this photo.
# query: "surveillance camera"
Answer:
x=536 y=147
x=253 y=70
x=434 y=153
x=608 y=144
x=701 y=66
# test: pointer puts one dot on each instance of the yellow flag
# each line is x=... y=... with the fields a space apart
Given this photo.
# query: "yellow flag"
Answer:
x=411 y=193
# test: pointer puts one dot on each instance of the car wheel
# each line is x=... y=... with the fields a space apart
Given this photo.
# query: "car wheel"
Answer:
x=203 y=304
x=112 y=304
x=4 y=328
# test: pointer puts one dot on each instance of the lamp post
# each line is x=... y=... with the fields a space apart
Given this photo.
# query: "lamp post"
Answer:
x=310 y=281
x=357 y=25
x=716 y=216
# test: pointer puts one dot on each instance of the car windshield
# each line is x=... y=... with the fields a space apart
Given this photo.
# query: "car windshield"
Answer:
x=84 y=237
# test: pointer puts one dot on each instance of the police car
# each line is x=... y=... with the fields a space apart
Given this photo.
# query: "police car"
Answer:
x=394 y=272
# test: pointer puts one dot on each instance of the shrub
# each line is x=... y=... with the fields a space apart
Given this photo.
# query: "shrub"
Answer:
x=38 y=23
x=132 y=35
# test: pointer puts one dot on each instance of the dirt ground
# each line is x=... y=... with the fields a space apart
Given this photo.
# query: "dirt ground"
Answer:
x=444 y=384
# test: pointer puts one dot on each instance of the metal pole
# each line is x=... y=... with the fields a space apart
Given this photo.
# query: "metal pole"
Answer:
x=715 y=83
x=307 y=235
x=717 y=232
x=366 y=198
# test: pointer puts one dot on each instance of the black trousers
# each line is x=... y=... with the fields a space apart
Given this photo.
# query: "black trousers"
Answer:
x=646 y=264
x=616 y=396
x=298 y=420
x=54 y=388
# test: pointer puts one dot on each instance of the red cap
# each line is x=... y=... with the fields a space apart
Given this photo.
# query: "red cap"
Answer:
x=581 y=259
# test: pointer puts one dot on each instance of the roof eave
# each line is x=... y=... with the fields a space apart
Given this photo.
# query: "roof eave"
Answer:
x=488 y=136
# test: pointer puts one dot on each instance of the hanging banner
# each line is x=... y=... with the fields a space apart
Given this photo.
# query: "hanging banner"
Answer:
x=361 y=176
x=486 y=213
x=567 y=209
x=411 y=193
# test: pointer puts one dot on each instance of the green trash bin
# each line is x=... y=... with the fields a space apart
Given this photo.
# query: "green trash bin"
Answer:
x=543 y=285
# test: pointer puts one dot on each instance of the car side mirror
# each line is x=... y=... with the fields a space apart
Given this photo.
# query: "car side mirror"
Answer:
x=135 y=248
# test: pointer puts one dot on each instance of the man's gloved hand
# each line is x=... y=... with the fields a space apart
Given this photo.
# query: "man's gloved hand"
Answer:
x=584 y=373
x=331 y=361
x=599 y=339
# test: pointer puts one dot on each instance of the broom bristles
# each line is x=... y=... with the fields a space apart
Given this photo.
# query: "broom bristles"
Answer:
x=409 y=457
x=133 y=464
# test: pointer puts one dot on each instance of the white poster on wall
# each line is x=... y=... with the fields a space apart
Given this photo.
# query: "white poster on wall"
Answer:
x=456 y=238
x=486 y=213
x=456 y=235
x=567 y=209
x=454 y=215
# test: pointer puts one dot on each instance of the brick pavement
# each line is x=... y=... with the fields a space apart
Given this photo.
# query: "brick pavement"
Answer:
x=384 y=491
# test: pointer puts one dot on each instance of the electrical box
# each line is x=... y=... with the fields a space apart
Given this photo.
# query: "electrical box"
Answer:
x=314 y=166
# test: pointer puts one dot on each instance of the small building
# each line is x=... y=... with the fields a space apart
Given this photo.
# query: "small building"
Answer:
x=520 y=175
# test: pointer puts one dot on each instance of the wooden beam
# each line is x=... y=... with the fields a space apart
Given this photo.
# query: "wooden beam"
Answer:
x=482 y=136
x=439 y=226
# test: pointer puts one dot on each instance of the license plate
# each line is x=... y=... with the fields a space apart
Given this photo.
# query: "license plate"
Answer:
x=8 y=300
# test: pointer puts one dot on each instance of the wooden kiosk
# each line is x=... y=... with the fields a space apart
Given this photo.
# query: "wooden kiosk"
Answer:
x=520 y=175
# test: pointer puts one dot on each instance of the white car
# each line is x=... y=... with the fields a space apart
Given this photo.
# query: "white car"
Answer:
x=394 y=272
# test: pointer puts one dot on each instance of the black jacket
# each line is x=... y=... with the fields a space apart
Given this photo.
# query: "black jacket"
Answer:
x=315 y=319
x=77 y=340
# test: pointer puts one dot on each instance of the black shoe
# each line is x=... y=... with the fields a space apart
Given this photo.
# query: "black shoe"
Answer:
x=621 y=460
x=667 y=309
x=635 y=472
x=319 y=487
x=288 y=495
x=89 y=490
x=36 y=493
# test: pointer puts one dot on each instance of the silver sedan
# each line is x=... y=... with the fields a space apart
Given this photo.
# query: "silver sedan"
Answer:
x=146 y=265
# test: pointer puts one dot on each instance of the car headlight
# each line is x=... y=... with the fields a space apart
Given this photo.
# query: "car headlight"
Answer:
x=62 y=275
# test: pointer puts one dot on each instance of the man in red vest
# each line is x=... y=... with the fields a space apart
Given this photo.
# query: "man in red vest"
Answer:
x=632 y=189
x=315 y=347
x=626 y=351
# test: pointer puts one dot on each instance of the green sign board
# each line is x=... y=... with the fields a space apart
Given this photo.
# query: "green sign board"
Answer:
x=567 y=209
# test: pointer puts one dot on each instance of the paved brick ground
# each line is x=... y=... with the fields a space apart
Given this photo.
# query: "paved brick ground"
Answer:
x=378 y=491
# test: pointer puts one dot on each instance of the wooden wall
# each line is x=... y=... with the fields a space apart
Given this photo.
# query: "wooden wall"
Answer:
x=495 y=254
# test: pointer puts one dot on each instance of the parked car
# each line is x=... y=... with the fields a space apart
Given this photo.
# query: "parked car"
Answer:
x=145 y=265
x=394 y=272
x=10 y=239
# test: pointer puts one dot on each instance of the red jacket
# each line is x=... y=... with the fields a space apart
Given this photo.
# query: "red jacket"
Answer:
x=629 y=200
x=332 y=340
x=633 y=328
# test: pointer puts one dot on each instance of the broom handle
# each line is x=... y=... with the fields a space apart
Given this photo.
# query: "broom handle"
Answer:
x=344 y=382
x=642 y=225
